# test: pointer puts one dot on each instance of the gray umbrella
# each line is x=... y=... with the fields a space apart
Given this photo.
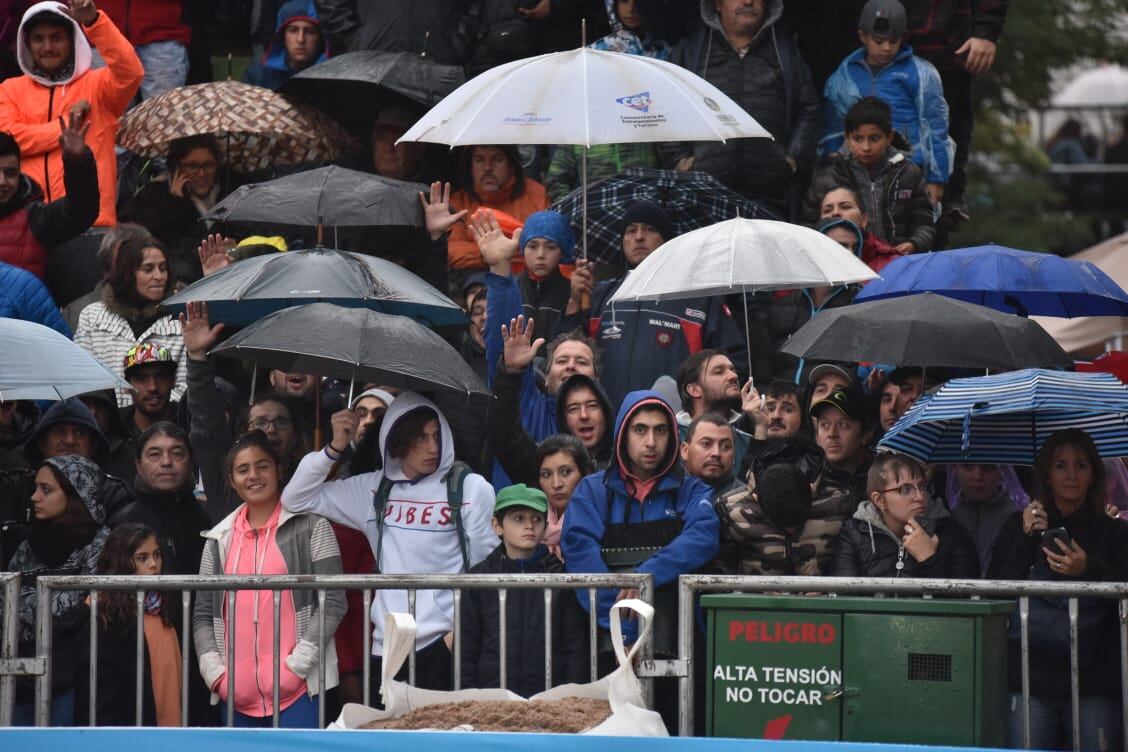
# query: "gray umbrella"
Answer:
x=355 y=344
x=331 y=196
x=927 y=330
x=250 y=289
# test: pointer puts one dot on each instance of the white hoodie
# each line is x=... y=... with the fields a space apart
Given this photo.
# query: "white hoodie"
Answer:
x=83 y=58
x=419 y=535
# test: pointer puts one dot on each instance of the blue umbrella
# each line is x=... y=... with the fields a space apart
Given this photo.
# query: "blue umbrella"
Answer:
x=1034 y=284
x=39 y=363
x=1007 y=417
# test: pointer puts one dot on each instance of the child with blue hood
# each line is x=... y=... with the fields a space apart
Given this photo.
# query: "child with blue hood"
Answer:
x=298 y=43
x=547 y=244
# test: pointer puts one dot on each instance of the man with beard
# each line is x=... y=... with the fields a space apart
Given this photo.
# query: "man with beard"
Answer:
x=151 y=371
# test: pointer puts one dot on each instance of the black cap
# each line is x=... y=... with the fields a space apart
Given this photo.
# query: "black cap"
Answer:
x=652 y=214
x=850 y=401
x=884 y=18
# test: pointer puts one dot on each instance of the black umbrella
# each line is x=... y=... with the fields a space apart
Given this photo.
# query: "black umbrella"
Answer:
x=355 y=86
x=331 y=196
x=248 y=290
x=355 y=344
x=927 y=330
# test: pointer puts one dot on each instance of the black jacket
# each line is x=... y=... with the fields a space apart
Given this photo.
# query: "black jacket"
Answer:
x=210 y=437
x=867 y=548
x=1017 y=556
x=178 y=519
x=772 y=83
x=117 y=678
x=62 y=219
x=524 y=629
x=894 y=199
x=937 y=28
x=173 y=220
x=773 y=319
x=544 y=301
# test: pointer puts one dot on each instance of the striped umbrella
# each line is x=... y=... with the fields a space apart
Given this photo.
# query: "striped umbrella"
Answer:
x=1007 y=417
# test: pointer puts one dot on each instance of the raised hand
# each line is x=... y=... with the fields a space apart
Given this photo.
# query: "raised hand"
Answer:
x=213 y=252
x=436 y=211
x=72 y=132
x=519 y=347
x=344 y=424
x=497 y=250
x=83 y=11
x=196 y=330
x=1034 y=518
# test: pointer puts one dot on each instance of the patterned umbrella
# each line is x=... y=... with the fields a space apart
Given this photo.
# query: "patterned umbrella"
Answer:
x=1007 y=417
x=692 y=199
x=256 y=128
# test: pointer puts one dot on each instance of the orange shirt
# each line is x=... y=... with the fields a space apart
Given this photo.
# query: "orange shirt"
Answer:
x=462 y=249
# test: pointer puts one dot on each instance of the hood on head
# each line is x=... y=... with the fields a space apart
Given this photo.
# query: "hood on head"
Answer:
x=832 y=222
x=712 y=19
x=83 y=57
x=576 y=381
x=404 y=403
x=68 y=411
x=294 y=10
x=554 y=226
x=85 y=478
x=632 y=403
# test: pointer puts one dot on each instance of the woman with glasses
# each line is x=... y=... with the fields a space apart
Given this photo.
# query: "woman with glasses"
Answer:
x=900 y=530
x=170 y=207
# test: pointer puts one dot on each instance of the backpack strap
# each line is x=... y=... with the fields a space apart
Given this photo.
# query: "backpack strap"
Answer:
x=379 y=504
x=455 y=480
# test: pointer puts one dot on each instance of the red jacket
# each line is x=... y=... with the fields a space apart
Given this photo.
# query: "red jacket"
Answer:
x=146 y=21
x=30 y=109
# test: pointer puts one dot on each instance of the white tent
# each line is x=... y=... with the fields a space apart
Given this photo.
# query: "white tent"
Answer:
x=1089 y=335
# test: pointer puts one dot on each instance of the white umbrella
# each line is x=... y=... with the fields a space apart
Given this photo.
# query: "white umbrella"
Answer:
x=742 y=255
x=40 y=363
x=1103 y=86
x=584 y=97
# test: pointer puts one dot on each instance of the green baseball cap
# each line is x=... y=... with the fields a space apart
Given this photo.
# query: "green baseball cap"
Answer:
x=520 y=495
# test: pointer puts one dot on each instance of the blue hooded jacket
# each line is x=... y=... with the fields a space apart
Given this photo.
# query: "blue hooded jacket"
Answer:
x=603 y=497
x=23 y=296
x=911 y=86
x=273 y=70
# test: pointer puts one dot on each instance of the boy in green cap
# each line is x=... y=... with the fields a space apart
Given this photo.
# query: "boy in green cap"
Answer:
x=519 y=519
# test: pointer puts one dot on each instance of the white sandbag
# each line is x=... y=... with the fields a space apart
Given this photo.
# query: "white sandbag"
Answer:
x=621 y=688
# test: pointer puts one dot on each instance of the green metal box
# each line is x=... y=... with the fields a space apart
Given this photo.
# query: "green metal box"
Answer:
x=856 y=669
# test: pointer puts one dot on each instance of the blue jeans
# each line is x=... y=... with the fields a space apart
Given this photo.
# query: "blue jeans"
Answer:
x=1051 y=723
x=165 y=64
x=302 y=714
x=62 y=711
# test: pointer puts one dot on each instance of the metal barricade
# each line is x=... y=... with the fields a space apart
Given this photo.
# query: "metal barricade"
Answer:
x=690 y=585
x=9 y=645
x=231 y=584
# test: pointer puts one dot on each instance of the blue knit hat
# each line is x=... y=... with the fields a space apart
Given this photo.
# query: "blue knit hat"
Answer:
x=553 y=226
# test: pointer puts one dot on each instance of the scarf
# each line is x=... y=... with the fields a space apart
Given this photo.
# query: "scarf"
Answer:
x=152 y=602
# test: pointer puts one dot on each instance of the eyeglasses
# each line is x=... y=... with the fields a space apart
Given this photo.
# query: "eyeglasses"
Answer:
x=908 y=489
x=198 y=166
x=263 y=424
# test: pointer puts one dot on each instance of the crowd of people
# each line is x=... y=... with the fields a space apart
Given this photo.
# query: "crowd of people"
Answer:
x=666 y=438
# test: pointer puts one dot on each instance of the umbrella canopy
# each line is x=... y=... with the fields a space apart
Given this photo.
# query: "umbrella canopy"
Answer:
x=742 y=255
x=585 y=97
x=1103 y=86
x=256 y=128
x=41 y=364
x=354 y=87
x=250 y=289
x=333 y=196
x=1004 y=279
x=691 y=199
x=1007 y=417
x=1091 y=335
x=927 y=330
x=365 y=346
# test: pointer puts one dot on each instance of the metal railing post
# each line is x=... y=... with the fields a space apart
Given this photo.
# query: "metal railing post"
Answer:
x=502 y=636
x=9 y=643
x=276 y=651
x=685 y=653
x=43 y=647
x=92 y=703
x=1024 y=626
x=1074 y=675
x=139 y=659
